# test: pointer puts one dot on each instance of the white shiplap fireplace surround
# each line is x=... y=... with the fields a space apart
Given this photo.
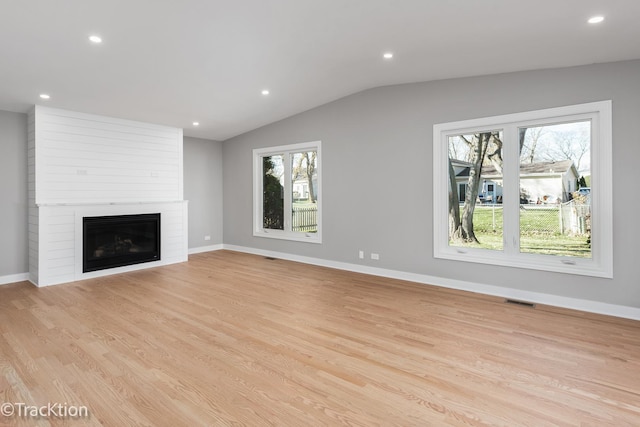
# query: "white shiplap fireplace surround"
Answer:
x=83 y=165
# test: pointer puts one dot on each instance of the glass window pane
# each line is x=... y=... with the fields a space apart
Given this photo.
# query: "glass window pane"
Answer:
x=273 y=192
x=304 y=190
x=555 y=196
x=475 y=190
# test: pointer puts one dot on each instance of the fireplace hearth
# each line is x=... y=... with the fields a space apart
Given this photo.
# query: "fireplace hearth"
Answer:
x=120 y=240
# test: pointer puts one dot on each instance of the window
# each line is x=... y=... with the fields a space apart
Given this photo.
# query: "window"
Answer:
x=462 y=191
x=530 y=190
x=287 y=192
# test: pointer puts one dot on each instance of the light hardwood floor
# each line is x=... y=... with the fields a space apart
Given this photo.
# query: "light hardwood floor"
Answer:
x=237 y=339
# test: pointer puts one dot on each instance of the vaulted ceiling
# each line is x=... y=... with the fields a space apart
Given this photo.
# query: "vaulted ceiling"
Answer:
x=208 y=61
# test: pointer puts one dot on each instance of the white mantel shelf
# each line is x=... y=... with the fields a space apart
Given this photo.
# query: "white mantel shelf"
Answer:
x=108 y=204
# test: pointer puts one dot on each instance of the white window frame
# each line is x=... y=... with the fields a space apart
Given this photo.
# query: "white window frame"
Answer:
x=601 y=262
x=286 y=151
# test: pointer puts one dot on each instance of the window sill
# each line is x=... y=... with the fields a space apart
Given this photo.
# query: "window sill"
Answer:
x=295 y=237
x=568 y=265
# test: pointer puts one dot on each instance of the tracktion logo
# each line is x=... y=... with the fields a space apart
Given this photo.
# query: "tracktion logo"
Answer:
x=50 y=410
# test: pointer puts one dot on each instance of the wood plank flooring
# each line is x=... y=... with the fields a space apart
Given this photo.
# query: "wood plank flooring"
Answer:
x=232 y=339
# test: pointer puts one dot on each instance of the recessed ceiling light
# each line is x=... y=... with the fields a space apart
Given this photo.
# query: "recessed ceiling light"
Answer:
x=95 y=39
x=265 y=92
x=44 y=96
x=196 y=123
x=595 y=19
x=388 y=55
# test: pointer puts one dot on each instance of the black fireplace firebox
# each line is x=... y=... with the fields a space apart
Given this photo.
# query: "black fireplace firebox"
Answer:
x=116 y=241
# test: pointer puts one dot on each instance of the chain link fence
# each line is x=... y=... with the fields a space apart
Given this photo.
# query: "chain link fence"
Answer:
x=569 y=219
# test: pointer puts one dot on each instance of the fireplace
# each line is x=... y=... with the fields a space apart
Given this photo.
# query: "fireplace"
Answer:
x=116 y=241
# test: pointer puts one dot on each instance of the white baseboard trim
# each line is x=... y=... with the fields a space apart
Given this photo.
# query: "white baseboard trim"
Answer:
x=201 y=249
x=535 y=297
x=13 y=278
x=517 y=294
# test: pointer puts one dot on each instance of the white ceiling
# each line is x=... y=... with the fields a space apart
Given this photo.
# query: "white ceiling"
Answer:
x=173 y=62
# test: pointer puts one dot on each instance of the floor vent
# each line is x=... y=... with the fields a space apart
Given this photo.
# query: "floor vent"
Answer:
x=521 y=303
x=270 y=258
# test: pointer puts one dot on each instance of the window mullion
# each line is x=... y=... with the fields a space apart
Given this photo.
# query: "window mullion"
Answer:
x=511 y=200
x=288 y=157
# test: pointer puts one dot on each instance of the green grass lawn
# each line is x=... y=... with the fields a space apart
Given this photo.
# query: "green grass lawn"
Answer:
x=540 y=232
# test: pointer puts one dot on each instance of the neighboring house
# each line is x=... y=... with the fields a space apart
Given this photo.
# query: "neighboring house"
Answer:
x=491 y=189
x=301 y=186
x=541 y=182
x=461 y=170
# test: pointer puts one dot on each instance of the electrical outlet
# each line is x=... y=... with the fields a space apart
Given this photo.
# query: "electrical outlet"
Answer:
x=207 y=237
x=375 y=256
x=361 y=254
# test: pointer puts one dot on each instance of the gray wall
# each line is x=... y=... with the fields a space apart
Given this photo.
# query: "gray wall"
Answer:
x=377 y=177
x=203 y=190
x=13 y=194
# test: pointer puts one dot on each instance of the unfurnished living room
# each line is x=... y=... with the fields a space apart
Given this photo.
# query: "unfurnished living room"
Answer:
x=319 y=213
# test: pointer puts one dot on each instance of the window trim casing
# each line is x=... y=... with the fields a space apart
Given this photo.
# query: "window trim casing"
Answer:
x=286 y=234
x=601 y=262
